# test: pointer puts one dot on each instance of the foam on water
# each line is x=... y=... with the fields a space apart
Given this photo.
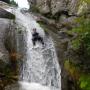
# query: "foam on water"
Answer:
x=40 y=69
x=32 y=86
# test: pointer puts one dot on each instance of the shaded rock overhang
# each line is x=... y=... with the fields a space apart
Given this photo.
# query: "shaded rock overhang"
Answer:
x=6 y=14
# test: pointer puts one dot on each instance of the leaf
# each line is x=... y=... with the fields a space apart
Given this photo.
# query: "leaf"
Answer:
x=83 y=84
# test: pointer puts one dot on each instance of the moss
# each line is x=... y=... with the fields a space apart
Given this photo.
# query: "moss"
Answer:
x=50 y=16
x=43 y=26
x=35 y=9
x=48 y=28
x=19 y=31
x=72 y=69
x=5 y=14
x=83 y=34
x=84 y=81
x=9 y=16
x=7 y=76
x=75 y=44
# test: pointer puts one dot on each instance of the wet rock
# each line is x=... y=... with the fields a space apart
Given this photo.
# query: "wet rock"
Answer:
x=55 y=6
x=65 y=35
x=3 y=4
x=12 y=87
x=5 y=14
x=43 y=6
x=4 y=24
x=8 y=74
x=3 y=11
x=1 y=55
x=65 y=19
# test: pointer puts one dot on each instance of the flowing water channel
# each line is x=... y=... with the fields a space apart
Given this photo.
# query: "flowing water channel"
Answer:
x=40 y=69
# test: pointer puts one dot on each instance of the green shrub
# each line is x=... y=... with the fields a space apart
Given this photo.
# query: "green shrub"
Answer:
x=83 y=39
x=85 y=82
x=83 y=32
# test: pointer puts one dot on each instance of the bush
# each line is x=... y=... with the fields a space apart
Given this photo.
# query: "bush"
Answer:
x=82 y=43
x=83 y=32
x=85 y=82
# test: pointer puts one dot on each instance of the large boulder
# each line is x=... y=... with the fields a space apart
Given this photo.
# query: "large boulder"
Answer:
x=55 y=6
x=4 y=11
x=43 y=6
x=6 y=14
x=64 y=5
x=7 y=72
x=4 y=25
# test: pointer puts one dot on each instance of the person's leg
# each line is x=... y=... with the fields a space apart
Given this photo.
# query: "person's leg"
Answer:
x=34 y=41
x=41 y=40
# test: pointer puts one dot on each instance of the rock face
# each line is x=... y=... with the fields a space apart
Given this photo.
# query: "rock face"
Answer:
x=58 y=17
x=5 y=14
x=4 y=25
x=43 y=6
x=7 y=74
x=4 y=55
x=55 y=6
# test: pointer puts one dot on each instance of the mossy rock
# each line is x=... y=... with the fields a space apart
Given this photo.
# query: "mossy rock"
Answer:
x=34 y=9
x=6 y=14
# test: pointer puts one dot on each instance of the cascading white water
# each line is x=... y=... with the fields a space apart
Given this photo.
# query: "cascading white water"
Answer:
x=40 y=69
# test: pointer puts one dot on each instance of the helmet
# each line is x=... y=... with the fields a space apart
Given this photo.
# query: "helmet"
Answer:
x=34 y=29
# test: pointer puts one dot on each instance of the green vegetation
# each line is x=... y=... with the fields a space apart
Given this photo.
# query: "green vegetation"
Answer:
x=7 y=75
x=72 y=69
x=81 y=79
x=83 y=32
x=87 y=1
x=35 y=9
x=81 y=45
x=12 y=2
x=10 y=16
x=7 y=1
x=85 y=82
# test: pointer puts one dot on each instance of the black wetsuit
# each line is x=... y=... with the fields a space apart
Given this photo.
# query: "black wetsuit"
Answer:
x=36 y=37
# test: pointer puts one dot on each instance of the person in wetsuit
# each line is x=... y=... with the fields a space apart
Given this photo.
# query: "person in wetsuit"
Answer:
x=36 y=37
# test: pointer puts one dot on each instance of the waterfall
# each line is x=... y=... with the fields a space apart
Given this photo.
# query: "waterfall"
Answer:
x=40 y=69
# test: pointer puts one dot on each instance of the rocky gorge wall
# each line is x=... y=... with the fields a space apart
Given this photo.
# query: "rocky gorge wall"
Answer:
x=11 y=47
x=5 y=66
x=58 y=18
x=55 y=6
